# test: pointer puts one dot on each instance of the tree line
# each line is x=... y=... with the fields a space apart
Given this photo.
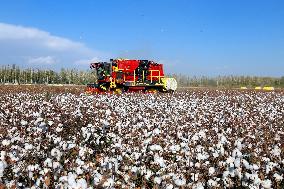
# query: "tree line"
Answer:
x=13 y=74
x=229 y=81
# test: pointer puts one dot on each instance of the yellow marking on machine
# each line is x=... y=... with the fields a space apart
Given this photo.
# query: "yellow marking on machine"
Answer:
x=112 y=83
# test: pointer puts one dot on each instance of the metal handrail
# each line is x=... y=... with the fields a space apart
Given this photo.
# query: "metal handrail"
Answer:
x=143 y=79
x=151 y=75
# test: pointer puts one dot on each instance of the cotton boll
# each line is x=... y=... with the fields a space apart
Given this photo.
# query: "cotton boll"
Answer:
x=149 y=173
x=105 y=123
x=30 y=174
x=236 y=153
x=97 y=178
x=278 y=177
x=212 y=183
x=199 y=148
x=79 y=171
x=237 y=162
x=147 y=141
x=108 y=183
x=70 y=145
x=230 y=160
x=269 y=167
x=277 y=137
x=82 y=152
x=156 y=148
x=246 y=164
x=195 y=138
x=238 y=143
x=28 y=146
x=229 y=130
x=82 y=183
x=197 y=165
x=126 y=177
x=225 y=174
x=222 y=151
x=211 y=170
x=58 y=129
x=39 y=119
x=199 y=185
x=3 y=165
x=266 y=183
x=276 y=151
x=169 y=186
x=42 y=124
x=108 y=112
x=156 y=131
x=134 y=169
x=46 y=170
x=179 y=180
x=63 y=179
x=158 y=180
x=80 y=162
x=159 y=160
x=56 y=165
x=64 y=145
x=24 y=123
x=62 y=100
x=215 y=154
x=183 y=144
x=71 y=180
x=2 y=155
x=30 y=168
x=98 y=140
x=238 y=173
x=90 y=151
x=6 y=142
x=174 y=148
x=47 y=162
x=56 y=153
x=254 y=167
x=223 y=139
x=56 y=140
x=202 y=134
x=201 y=156
x=50 y=123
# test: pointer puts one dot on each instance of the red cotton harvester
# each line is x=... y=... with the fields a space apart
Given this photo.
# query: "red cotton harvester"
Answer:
x=122 y=75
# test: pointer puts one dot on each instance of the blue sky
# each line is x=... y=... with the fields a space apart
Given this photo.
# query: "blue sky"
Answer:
x=193 y=37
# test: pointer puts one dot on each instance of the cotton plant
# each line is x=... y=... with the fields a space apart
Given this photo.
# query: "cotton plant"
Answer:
x=190 y=139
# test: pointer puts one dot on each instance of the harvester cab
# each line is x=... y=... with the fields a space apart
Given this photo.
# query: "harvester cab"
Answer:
x=120 y=75
x=101 y=69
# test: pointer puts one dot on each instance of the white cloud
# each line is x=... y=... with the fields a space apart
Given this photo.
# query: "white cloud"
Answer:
x=42 y=60
x=14 y=32
x=19 y=44
x=87 y=61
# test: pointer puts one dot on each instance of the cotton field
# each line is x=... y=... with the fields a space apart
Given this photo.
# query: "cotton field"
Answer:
x=188 y=139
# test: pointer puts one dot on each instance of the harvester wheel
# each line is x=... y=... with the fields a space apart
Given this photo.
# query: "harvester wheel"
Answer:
x=125 y=89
